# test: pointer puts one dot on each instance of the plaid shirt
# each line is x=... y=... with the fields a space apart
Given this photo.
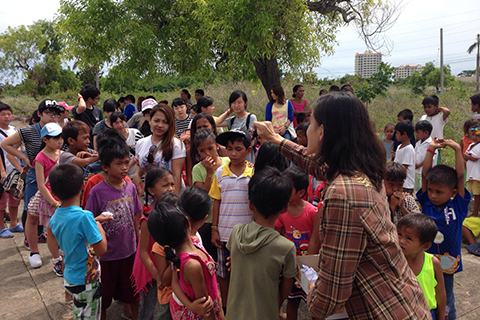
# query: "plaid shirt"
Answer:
x=362 y=267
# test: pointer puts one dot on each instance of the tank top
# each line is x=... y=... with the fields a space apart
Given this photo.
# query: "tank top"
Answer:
x=298 y=107
x=427 y=281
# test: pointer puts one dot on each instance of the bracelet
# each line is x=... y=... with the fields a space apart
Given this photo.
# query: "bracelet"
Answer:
x=81 y=97
x=430 y=150
x=214 y=227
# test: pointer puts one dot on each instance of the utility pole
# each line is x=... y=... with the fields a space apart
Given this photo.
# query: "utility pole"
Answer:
x=477 y=70
x=441 y=60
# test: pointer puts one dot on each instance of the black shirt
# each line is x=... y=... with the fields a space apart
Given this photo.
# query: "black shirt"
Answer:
x=90 y=117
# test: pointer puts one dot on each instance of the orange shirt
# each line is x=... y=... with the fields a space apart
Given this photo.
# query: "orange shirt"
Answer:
x=92 y=182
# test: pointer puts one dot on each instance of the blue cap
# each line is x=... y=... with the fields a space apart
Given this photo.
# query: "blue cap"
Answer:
x=52 y=129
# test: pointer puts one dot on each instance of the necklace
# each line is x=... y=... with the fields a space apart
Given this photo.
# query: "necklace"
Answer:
x=111 y=185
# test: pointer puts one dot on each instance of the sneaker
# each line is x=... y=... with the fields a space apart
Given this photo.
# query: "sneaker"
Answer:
x=42 y=238
x=5 y=233
x=61 y=253
x=57 y=267
x=26 y=245
x=6 y=216
x=35 y=260
x=18 y=228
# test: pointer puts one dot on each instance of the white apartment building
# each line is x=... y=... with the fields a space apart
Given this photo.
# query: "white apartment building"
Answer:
x=367 y=63
x=406 y=70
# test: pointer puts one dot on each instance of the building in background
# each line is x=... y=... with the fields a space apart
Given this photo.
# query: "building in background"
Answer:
x=367 y=63
x=406 y=70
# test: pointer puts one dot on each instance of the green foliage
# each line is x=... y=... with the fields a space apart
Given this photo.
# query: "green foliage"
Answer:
x=466 y=73
x=376 y=85
x=430 y=76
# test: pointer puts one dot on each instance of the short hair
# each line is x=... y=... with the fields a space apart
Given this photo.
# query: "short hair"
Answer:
x=200 y=92
x=130 y=97
x=196 y=203
x=73 y=128
x=204 y=102
x=347 y=87
x=111 y=145
x=301 y=117
x=121 y=99
x=406 y=114
x=303 y=127
x=237 y=94
x=334 y=88
x=300 y=178
x=424 y=226
x=322 y=92
x=405 y=126
x=178 y=102
x=66 y=181
x=187 y=93
x=443 y=174
x=430 y=99
x=117 y=115
x=395 y=172
x=247 y=142
x=110 y=105
x=475 y=99
x=89 y=91
x=168 y=197
x=269 y=191
x=424 y=125
x=268 y=155
x=468 y=124
x=389 y=125
x=4 y=106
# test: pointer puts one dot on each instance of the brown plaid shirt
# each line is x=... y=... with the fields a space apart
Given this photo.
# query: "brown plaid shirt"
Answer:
x=361 y=264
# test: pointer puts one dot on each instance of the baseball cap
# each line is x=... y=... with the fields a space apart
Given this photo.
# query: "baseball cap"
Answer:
x=48 y=103
x=224 y=137
x=148 y=104
x=52 y=129
x=65 y=105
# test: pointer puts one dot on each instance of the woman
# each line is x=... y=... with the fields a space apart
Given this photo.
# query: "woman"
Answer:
x=280 y=112
x=162 y=148
x=362 y=267
x=109 y=107
x=119 y=123
x=300 y=105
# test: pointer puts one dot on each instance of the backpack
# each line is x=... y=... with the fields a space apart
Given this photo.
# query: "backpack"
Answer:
x=232 y=121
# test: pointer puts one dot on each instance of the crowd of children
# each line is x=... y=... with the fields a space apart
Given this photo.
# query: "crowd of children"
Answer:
x=225 y=246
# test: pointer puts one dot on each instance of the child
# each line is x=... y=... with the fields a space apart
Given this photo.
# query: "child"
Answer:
x=471 y=155
x=297 y=225
x=131 y=107
x=86 y=110
x=401 y=203
x=301 y=130
x=423 y=129
x=475 y=100
x=280 y=112
x=230 y=193
x=437 y=116
x=405 y=154
x=388 y=131
x=447 y=203
x=119 y=197
x=157 y=182
x=405 y=114
x=243 y=120
x=83 y=240
x=416 y=233
x=43 y=204
x=268 y=155
x=182 y=118
x=170 y=227
x=6 y=130
x=260 y=256
x=76 y=134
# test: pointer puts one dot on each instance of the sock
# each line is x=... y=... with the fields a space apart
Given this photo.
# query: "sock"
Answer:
x=55 y=260
x=32 y=253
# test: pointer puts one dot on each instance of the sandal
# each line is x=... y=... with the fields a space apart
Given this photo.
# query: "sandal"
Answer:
x=474 y=249
x=5 y=233
x=125 y=317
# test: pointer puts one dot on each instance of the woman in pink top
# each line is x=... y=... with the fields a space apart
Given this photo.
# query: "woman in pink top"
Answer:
x=300 y=105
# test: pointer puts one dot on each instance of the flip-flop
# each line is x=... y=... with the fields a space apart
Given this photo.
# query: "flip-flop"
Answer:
x=474 y=249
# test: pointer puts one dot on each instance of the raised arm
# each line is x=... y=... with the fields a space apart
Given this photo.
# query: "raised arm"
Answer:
x=459 y=168
x=220 y=121
x=427 y=163
x=82 y=106
x=445 y=112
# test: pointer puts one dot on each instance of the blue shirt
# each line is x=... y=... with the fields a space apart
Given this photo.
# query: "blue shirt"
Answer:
x=73 y=228
x=130 y=110
x=449 y=220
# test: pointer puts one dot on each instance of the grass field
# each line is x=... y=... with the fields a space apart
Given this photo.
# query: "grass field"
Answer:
x=382 y=109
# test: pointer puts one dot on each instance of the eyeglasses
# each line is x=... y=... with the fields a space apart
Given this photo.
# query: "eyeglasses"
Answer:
x=50 y=113
x=151 y=151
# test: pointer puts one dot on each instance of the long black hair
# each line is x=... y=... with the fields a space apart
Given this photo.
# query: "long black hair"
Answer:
x=350 y=144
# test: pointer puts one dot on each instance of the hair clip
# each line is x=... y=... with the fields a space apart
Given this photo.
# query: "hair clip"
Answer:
x=146 y=209
x=476 y=130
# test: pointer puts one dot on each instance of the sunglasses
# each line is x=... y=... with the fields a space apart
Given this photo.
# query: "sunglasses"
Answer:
x=151 y=151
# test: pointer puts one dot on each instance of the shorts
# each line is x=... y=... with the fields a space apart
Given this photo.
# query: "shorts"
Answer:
x=87 y=302
x=297 y=293
x=222 y=255
x=116 y=281
x=39 y=207
x=12 y=202
x=474 y=187
x=472 y=224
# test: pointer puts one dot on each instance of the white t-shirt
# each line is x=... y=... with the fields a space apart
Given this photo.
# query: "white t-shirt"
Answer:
x=437 y=123
x=421 y=152
x=134 y=135
x=473 y=167
x=143 y=147
x=406 y=156
x=8 y=166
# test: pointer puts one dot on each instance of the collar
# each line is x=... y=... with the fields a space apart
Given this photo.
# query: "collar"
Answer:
x=248 y=172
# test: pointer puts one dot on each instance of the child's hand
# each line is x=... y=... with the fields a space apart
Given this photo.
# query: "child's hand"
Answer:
x=400 y=197
x=84 y=154
x=216 y=239
x=203 y=306
x=436 y=144
x=229 y=264
x=209 y=164
x=81 y=101
x=393 y=201
x=392 y=153
x=102 y=219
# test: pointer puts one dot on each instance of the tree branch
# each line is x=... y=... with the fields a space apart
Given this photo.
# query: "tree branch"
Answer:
x=329 y=6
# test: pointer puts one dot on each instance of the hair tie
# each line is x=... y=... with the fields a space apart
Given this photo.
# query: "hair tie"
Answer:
x=476 y=130
x=146 y=209
x=166 y=246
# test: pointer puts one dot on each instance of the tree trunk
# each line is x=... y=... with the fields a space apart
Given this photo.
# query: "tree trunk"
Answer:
x=477 y=69
x=267 y=71
x=97 y=78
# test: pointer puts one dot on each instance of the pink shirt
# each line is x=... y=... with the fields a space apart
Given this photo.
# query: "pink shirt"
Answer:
x=47 y=165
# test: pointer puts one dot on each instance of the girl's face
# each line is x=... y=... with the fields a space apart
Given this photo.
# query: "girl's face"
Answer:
x=183 y=95
x=159 y=124
x=210 y=109
x=299 y=93
x=180 y=111
x=389 y=132
x=238 y=105
x=274 y=96
x=471 y=134
x=163 y=185
x=5 y=117
x=207 y=148
x=49 y=115
x=314 y=136
x=54 y=143
x=203 y=124
x=119 y=125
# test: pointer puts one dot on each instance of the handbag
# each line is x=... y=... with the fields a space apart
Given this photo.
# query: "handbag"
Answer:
x=14 y=183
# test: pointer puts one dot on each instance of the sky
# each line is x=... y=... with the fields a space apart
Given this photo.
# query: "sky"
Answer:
x=415 y=37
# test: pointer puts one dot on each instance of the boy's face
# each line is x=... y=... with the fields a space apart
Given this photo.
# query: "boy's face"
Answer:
x=410 y=242
x=439 y=193
x=430 y=109
x=118 y=168
x=392 y=186
x=297 y=195
x=93 y=101
x=49 y=115
x=401 y=137
x=180 y=111
x=237 y=152
x=5 y=117
x=197 y=96
x=302 y=138
x=422 y=135
x=475 y=107
x=82 y=142
x=389 y=131
x=400 y=119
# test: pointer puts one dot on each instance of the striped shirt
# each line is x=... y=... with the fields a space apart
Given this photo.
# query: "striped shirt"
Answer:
x=232 y=191
x=30 y=136
x=362 y=267
x=182 y=125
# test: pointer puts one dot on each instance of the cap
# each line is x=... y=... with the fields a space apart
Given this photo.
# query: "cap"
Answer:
x=224 y=137
x=148 y=104
x=47 y=103
x=50 y=129
x=65 y=105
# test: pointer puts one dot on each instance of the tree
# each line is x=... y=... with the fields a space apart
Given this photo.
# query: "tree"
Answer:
x=470 y=49
x=238 y=39
x=377 y=84
x=466 y=73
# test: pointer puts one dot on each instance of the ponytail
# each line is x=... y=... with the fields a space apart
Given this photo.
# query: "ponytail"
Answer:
x=171 y=256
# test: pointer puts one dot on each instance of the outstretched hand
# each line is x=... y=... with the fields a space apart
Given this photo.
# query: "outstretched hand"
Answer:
x=266 y=131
